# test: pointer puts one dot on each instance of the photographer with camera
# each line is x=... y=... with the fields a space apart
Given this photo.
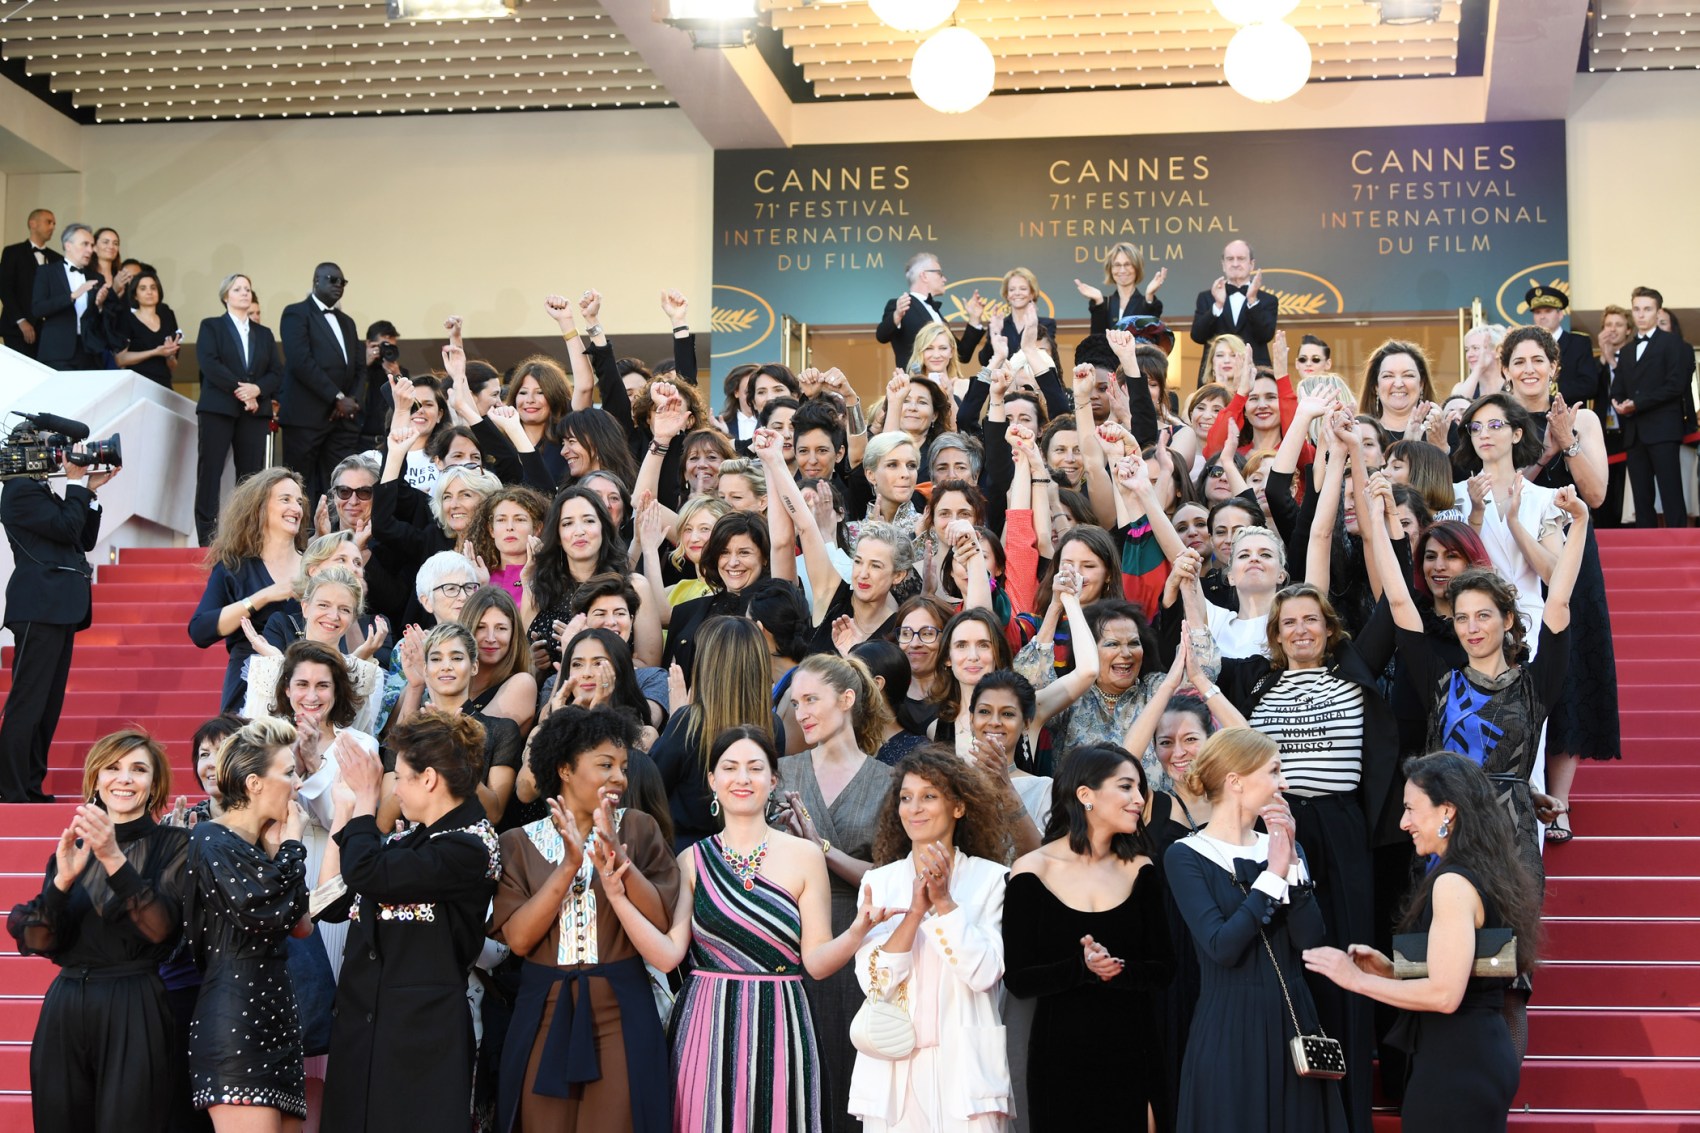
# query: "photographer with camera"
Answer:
x=383 y=362
x=47 y=601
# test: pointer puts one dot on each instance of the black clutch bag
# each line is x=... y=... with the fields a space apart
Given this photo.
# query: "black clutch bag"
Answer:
x=1496 y=955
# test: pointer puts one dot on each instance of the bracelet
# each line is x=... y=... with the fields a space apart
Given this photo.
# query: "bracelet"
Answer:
x=594 y=330
x=854 y=420
x=825 y=846
x=1046 y=480
x=682 y=331
x=248 y=604
x=569 y=334
x=658 y=448
x=1574 y=449
x=1207 y=693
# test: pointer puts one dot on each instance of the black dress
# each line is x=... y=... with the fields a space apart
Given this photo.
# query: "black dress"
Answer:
x=105 y=1047
x=1067 y=1074
x=843 y=602
x=1237 y=1073
x=1464 y=1068
x=238 y=909
x=127 y=332
x=1585 y=722
x=416 y=904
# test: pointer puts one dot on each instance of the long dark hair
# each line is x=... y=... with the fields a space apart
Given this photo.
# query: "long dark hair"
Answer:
x=647 y=791
x=1525 y=452
x=985 y=829
x=949 y=702
x=1484 y=842
x=627 y=696
x=553 y=574
x=601 y=437
x=1088 y=767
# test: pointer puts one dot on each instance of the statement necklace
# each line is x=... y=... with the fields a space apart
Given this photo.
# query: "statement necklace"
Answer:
x=745 y=866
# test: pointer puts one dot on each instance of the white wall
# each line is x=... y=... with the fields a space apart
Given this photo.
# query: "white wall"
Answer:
x=475 y=215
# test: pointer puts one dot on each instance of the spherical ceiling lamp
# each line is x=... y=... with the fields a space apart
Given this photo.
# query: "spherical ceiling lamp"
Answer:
x=1267 y=62
x=913 y=15
x=953 y=71
x=1243 y=12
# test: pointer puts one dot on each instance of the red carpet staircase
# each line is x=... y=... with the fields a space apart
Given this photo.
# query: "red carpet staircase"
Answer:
x=1615 y=1030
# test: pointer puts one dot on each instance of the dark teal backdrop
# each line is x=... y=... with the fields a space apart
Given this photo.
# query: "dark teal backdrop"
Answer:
x=1409 y=219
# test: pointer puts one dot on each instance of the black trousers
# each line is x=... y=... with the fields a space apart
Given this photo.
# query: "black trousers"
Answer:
x=314 y=451
x=81 y=360
x=103 y=1052
x=41 y=664
x=218 y=435
x=1660 y=464
x=1610 y=512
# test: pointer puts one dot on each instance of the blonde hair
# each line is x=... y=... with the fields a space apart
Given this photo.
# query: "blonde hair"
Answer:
x=750 y=470
x=229 y=282
x=336 y=576
x=930 y=333
x=318 y=553
x=1131 y=252
x=248 y=751
x=1024 y=273
x=108 y=750
x=870 y=713
x=1232 y=751
x=694 y=506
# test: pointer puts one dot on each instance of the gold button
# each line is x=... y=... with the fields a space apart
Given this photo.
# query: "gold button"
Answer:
x=780 y=968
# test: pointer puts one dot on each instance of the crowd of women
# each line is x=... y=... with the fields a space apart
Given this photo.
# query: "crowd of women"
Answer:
x=1021 y=750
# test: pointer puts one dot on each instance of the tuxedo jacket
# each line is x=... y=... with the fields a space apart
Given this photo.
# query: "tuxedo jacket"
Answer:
x=316 y=370
x=218 y=351
x=61 y=332
x=901 y=336
x=1657 y=383
x=1581 y=378
x=51 y=538
x=17 y=285
x=1256 y=325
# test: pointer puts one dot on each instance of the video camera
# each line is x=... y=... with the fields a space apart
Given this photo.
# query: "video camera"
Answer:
x=41 y=447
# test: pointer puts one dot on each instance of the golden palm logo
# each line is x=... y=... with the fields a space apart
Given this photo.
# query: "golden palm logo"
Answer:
x=739 y=319
x=1553 y=273
x=1305 y=295
x=1295 y=303
x=722 y=320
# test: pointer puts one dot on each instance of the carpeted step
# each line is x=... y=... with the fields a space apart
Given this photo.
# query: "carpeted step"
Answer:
x=118 y=681
x=1613 y=1033
x=1618 y=897
x=1610 y=1084
x=1657 y=816
x=1620 y=983
x=125 y=572
x=1605 y=938
x=1594 y=855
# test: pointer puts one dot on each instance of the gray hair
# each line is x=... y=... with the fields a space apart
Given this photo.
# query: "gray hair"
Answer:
x=917 y=264
x=444 y=566
x=1496 y=333
x=902 y=546
x=71 y=230
x=358 y=462
x=880 y=446
x=946 y=441
x=229 y=281
x=483 y=482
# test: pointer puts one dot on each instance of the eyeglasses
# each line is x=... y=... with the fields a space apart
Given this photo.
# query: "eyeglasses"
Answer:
x=1494 y=426
x=344 y=493
x=456 y=589
x=928 y=635
x=1217 y=472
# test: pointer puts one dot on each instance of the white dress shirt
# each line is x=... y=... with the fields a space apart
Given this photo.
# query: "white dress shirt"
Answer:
x=336 y=327
x=242 y=336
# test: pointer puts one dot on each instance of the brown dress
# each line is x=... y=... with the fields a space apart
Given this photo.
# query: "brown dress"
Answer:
x=608 y=1084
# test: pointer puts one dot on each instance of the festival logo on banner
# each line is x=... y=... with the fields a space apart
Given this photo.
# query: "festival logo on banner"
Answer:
x=1553 y=274
x=740 y=320
x=1387 y=220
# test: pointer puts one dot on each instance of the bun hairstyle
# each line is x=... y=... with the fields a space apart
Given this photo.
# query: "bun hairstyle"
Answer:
x=1232 y=751
x=448 y=743
x=248 y=751
x=870 y=714
x=1089 y=767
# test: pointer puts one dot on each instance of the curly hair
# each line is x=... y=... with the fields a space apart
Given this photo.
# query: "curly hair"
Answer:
x=1503 y=595
x=570 y=732
x=986 y=828
x=643 y=402
x=1089 y=766
x=242 y=524
x=534 y=502
x=1482 y=841
x=480 y=480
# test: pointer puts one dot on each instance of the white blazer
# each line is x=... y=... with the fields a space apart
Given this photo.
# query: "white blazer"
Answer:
x=962 y=952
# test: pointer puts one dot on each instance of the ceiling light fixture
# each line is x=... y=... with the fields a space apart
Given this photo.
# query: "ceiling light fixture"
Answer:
x=913 y=15
x=411 y=10
x=714 y=23
x=953 y=71
x=1267 y=62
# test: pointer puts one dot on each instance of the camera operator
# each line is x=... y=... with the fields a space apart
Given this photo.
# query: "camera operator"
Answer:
x=47 y=602
x=383 y=362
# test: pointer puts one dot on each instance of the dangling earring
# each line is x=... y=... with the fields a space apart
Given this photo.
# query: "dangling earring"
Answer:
x=714 y=808
x=1445 y=830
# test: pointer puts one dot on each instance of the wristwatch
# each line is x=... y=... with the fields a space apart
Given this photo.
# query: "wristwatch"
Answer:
x=1575 y=447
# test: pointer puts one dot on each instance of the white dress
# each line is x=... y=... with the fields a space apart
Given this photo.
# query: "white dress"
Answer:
x=1538 y=515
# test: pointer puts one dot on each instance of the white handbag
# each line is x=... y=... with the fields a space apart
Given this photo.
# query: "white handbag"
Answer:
x=881 y=1029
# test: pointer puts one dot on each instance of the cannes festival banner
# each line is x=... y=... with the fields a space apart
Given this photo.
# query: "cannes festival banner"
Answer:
x=1398 y=220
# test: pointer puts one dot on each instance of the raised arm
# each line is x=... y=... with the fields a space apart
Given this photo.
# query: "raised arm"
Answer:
x=1556 y=614
x=1375 y=523
x=1072 y=685
x=1319 y=548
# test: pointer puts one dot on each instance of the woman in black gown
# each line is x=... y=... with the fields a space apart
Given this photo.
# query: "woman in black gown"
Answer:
x=244 y=894
x=1249 y=903
x=1085 y=934
x=1584 y=723
x=103 y=1054
x=416 y=904
x=1464 y=1067
x=143 y=330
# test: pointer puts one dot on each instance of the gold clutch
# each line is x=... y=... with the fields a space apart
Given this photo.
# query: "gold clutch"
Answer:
x=1496 y=955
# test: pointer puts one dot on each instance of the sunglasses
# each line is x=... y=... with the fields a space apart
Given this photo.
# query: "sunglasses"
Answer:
x=344 y=493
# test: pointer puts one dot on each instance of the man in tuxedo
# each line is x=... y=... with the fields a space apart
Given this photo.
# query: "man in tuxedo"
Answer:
x=18 y=327
x=47 y=602
x=914 y=310
x=1580 y=379
x=324 y=383
x=1233 y=305
x=66 y=304
x=1647 y=389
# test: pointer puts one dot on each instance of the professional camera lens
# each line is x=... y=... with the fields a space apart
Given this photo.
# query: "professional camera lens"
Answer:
x=388 y=351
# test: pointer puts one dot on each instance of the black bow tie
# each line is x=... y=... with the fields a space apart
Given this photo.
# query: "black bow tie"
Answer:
x=1643 y=338
x=74 y=270
x=1239 y=290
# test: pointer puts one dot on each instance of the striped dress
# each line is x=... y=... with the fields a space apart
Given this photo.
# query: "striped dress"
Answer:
x=742 y=1039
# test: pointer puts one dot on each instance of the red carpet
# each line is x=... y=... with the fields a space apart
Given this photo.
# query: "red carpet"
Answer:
x=1615 y=1028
